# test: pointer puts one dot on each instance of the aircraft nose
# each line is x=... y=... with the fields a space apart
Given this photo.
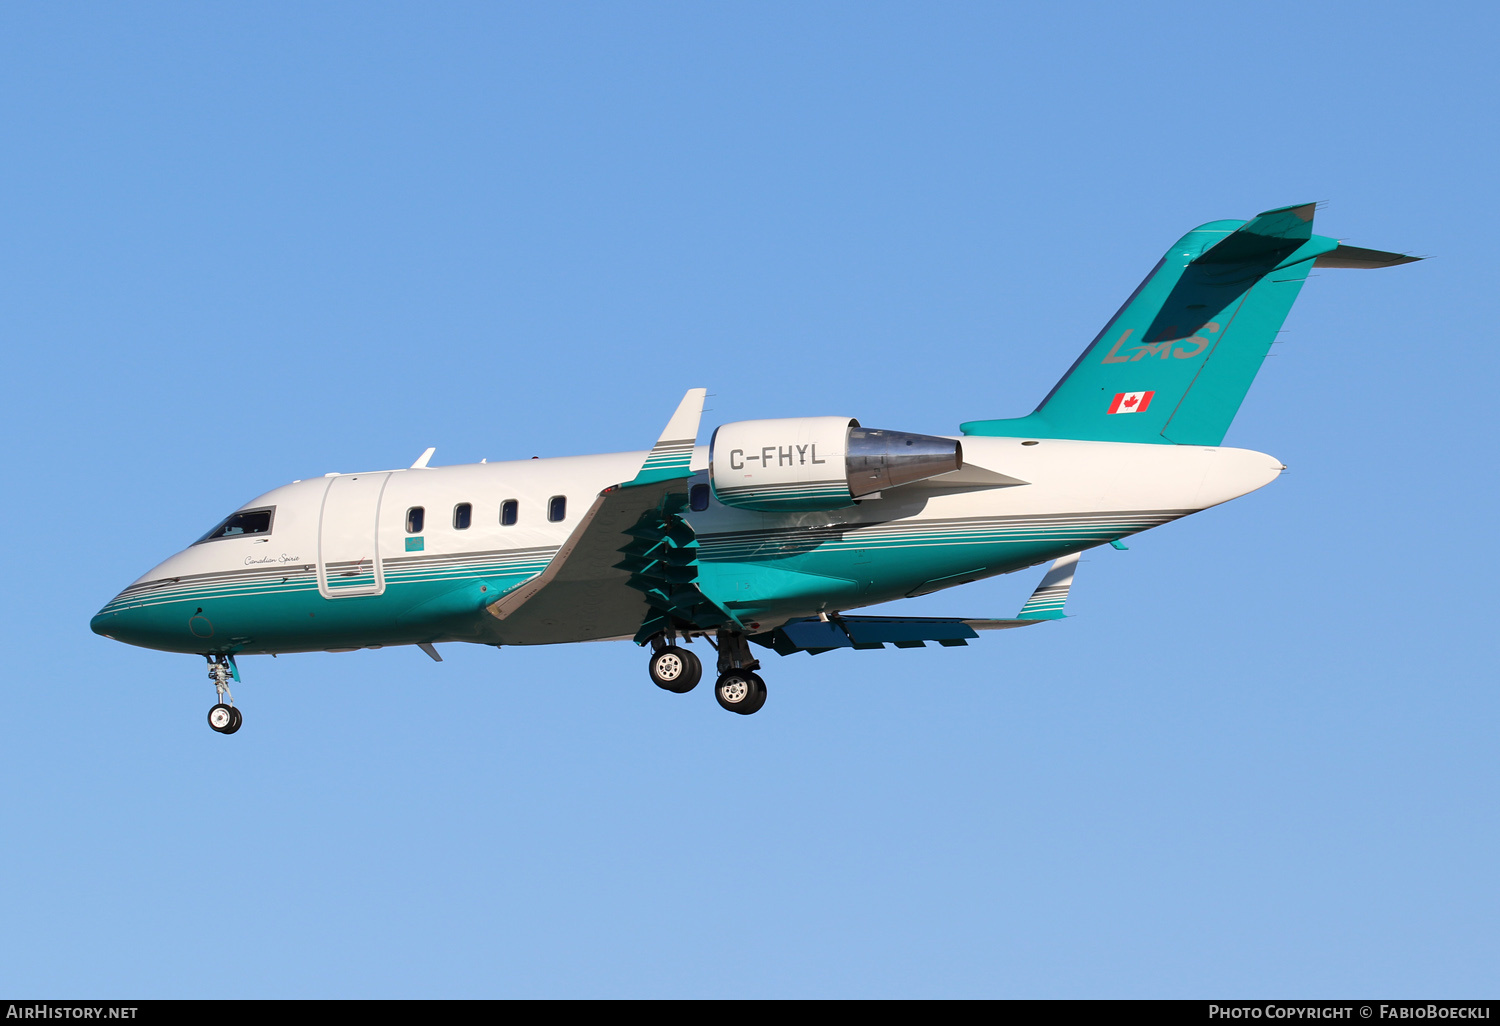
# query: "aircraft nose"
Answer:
x=163 y=626
x=116 y=624
x=132 y=625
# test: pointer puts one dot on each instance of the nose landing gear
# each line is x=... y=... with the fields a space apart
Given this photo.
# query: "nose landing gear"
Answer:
x=226 y=719
x=223 y=717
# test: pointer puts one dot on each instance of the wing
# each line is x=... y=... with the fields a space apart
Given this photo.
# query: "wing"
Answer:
x=629 y=563
x=868 y=632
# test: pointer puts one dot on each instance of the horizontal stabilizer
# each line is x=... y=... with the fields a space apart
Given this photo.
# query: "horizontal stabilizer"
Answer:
x=1046 y=603
x=1273 y=232
x=1356 y=257
x=1174 y=364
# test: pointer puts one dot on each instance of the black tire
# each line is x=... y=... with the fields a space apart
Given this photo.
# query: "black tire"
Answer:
x=221 y=718
x=675 y=669
x=238 y=719
x=740 y=691
x=759 y=698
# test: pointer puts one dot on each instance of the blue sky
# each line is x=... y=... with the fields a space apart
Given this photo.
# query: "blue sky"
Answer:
x=248 y=244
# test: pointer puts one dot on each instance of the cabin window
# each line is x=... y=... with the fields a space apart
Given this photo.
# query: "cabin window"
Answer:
x=557 y=508
x=463 y=513
x=414 y=518
x=242 y=524
x=509 y=509
x=698 y=497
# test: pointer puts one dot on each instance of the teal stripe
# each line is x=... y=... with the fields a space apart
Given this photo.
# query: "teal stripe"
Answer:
x=1065 y=530
x=822 y=488
x=259 y=582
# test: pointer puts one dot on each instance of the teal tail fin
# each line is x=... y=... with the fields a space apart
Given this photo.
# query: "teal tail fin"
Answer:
x=1174 y=364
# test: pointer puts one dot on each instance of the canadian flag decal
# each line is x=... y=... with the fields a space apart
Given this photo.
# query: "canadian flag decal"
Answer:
x=1131 y=402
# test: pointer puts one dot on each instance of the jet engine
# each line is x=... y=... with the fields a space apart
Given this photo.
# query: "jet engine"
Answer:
x=818 y=463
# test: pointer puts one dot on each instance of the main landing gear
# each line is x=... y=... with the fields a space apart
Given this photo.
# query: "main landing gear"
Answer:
x=738 y=689
x=223 y=717
x=674 y=669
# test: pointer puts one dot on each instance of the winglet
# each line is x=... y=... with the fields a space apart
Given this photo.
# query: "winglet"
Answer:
x=421 y=463
x=672 y=455
x=1046 y=603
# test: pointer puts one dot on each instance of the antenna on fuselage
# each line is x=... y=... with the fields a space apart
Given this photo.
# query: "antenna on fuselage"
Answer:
x=421 y=463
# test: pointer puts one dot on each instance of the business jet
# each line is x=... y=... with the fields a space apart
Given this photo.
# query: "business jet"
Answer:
x=768 y=537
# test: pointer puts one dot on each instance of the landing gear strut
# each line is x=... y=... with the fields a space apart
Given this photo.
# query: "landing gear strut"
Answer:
x=223 y=717
x=739 y=688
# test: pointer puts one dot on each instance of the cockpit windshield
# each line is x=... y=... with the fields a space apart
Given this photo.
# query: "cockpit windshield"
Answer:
x=239 y=525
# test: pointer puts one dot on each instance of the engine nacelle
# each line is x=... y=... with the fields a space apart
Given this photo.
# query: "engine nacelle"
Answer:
x=817 y=463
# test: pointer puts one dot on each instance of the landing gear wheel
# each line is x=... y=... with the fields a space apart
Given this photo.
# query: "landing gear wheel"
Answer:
x=740 y=691
x=223 y=717
x=675 y=669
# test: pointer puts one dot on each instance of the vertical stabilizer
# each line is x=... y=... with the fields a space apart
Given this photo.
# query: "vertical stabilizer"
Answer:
x=1175 y=362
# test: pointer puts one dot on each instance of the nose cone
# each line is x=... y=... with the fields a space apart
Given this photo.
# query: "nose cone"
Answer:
x=152 y=620
x=160 y=627
x=117 y=621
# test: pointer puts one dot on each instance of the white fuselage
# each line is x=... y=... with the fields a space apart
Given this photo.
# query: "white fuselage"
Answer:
x=949 y=530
